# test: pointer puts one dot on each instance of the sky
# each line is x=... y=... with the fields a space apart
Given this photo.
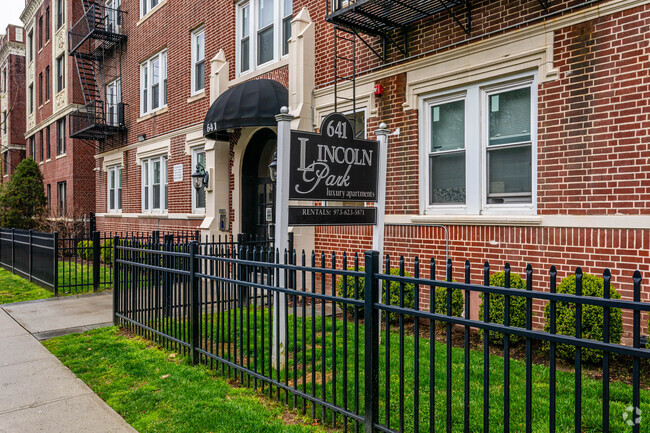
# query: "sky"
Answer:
x=10 y=13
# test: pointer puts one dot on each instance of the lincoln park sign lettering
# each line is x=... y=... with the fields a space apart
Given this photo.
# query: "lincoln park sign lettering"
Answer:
x=333 y=166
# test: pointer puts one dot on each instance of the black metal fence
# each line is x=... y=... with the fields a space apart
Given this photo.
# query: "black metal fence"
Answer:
x=86 y=261
x=31 y=255
x=283 y=329
x=76 y=264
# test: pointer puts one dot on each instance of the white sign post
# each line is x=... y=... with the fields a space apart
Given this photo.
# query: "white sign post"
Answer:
x=281 y=232
x=378 y=229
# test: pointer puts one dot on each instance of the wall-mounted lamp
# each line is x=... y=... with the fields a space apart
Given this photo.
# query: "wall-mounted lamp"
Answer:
x=273 y=167
x=200 y=177
x=142 y=137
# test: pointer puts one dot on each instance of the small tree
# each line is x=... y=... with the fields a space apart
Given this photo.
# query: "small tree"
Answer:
x=22 y=203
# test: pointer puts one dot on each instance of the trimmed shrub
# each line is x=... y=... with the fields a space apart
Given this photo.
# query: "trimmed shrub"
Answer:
x=106 y=252
x=409 y=292
x=457 y=302
x=85 y=250
x=497 y=306
x=592 y=318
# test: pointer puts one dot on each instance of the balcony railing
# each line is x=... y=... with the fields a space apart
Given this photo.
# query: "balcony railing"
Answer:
x=378 y=16
x=101 y=26
x=93 y=122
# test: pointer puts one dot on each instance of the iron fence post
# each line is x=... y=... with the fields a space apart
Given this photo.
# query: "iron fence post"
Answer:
x=194 y=303
x=13 y=248
x=96 y=251
x=55 y=264
x=371 y=319
x=116 y=279
x=167 y=280
x=30 y=262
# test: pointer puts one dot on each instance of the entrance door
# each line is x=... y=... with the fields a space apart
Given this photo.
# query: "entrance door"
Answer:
x=258 y=191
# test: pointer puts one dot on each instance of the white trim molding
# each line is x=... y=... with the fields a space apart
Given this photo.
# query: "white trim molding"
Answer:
x=156 y=148
x=628 y=222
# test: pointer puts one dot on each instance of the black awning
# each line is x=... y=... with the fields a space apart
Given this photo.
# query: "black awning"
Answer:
x=252 y=103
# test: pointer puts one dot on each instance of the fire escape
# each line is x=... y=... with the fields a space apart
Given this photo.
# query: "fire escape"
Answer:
x=96 y=44
x=381 y=26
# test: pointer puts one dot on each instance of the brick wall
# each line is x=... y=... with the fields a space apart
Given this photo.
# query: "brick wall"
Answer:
x=593 y=159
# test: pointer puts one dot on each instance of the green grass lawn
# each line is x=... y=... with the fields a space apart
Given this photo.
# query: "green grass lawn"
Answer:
x=16 y=289
x=74 y=278
x=326 y=354
x=77 y=277
x=155 y=390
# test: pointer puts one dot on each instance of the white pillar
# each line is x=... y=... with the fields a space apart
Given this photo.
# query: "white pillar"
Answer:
x=281 y=231
x=218 y=75
x=302 y=69
x=378 y=229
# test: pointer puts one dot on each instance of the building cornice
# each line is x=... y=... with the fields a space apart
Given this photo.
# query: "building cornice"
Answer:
x=56 y=116
x=30 y=10
x=9 y=48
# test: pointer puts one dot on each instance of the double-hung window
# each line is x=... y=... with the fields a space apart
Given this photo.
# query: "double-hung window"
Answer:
x=47 y=24
x=60 y=13
x=113 y=16
x=478 y=149
x=62 y=198
x=41 y=145
x=40 y=32
x=31 y=98
x=146 y=6
x=263 y=32
x=40 y=89
x=113 y=99
x=47 y=83
x=154 y=185
x=47 y=141
x=60 y=73
x=198 y=61
x=30 y=46
x=153 y=83
x=115 y=189
x=60 y=136
x=198 y=196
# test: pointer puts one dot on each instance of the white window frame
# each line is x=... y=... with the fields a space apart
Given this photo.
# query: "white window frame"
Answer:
x=146 y=83
x=196 y=34
x=147 y=185
x=365 y=121
x=113 y=15
x=113 y=99
x=195 y=153
x=114 y=172
x=146 y=6
x=476 y=147
x=278 y=18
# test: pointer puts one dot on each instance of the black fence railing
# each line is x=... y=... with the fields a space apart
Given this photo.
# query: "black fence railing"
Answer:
x=319 y=336
x=85 y=262
x=77 y=264
x=30 y=254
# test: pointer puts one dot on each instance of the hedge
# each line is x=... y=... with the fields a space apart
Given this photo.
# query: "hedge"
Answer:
x=409 y=292
x=592 y=318
x=497 y=306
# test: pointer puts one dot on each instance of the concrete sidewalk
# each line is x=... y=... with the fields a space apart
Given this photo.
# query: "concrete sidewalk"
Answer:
x=37 y=392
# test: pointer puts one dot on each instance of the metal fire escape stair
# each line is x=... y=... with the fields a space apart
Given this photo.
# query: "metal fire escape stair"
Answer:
x=94 y=36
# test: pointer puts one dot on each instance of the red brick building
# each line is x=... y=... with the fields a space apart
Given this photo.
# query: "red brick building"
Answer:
x=52 y=92
x=12 y=99
x=520 y=126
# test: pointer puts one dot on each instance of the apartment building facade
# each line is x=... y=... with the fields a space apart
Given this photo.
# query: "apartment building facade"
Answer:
x=519 y=126
x=12 y=99
x=52 y=92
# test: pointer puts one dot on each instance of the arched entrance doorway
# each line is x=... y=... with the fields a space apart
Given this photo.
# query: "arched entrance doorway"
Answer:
x=258 y=192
